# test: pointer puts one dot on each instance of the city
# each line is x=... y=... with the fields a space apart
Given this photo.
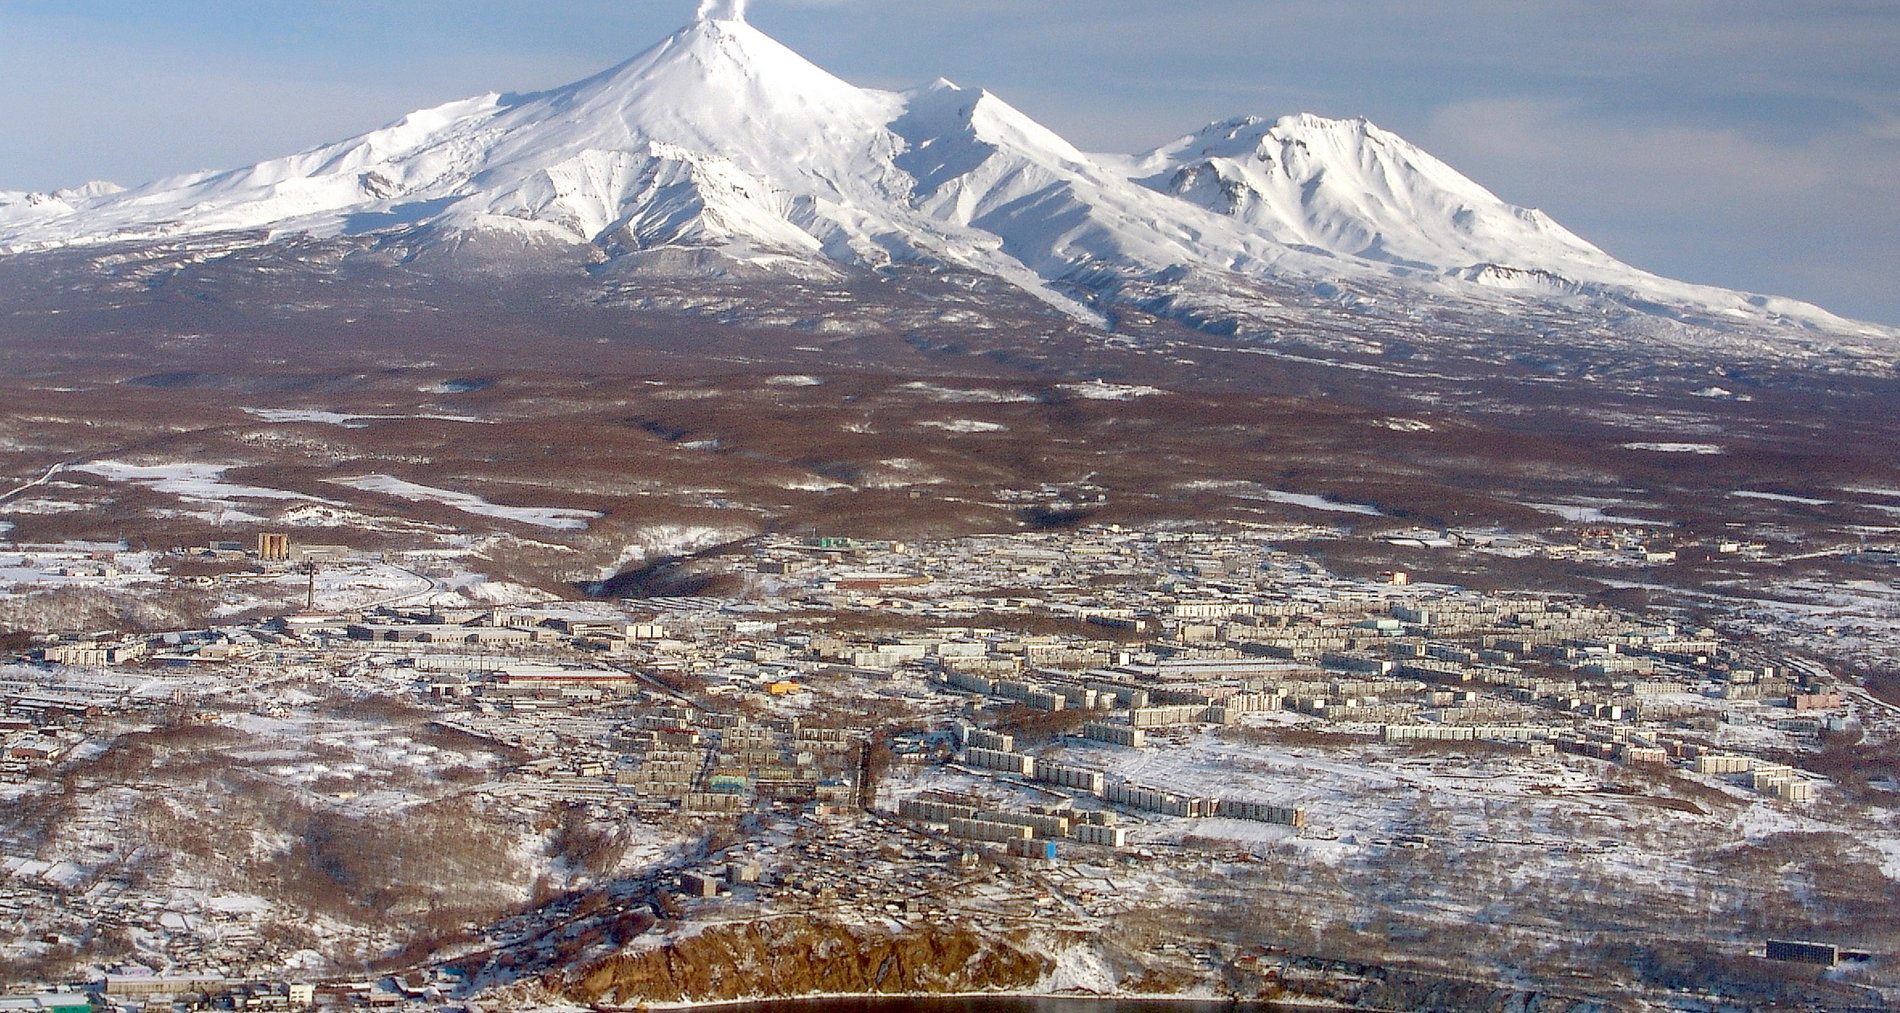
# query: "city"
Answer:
x=813 y=506
x=1078 y=748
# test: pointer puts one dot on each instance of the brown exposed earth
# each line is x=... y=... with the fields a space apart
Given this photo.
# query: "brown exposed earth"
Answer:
x=809 y=956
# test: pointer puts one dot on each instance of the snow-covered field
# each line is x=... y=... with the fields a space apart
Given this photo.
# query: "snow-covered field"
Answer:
x=1254 y=490
x=195 y=483
x=965 y=395
x=1102 y=390
x=660 y=541
x=965 y=426
x=545 y=517
x=1776 y=497
x=1578 y=513
x=1676 y=448
x=1311 y=502
x=1429 y=841
x=27 y=572
x=351 y=421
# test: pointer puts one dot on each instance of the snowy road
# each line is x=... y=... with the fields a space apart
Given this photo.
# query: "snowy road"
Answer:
x=431 y=587
x=36 y=483
x=1872 y=700
x=1819 y=671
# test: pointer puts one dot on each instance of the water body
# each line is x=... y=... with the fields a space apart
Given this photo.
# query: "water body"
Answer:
x=1003 y=1004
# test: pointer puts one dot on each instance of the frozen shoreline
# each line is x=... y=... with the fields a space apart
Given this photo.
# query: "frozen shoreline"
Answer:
x=811 y=1000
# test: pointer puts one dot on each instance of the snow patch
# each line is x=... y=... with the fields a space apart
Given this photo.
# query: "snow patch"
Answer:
x=965 y=426
x=1311 y=502
x=557 y=518
x=974 y=395
x=351 y=421
x=1253 y=490
x=196 y=483
x=1580 y=514
x=1102 y=390
x=813 y=483
x=1676 y=448
x=1889 y=857
x=664 y=541
x=1780 y=497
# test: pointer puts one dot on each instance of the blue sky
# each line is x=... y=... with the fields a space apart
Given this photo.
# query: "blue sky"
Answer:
x=1748 y=143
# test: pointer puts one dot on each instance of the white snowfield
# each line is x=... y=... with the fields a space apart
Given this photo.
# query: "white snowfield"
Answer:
x=556 y=518
x=351 y=421
x=1101 y=390
x=1676 y=448
x=721 y=140
x=199 y=485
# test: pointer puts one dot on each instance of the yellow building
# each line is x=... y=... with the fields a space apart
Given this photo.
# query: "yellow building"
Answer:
x=273 y=548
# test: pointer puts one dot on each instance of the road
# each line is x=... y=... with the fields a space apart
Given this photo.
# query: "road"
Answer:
x=1820 y=672
x=428 y=588
x=36 y=483
x=1872 y=700
x=434 y=587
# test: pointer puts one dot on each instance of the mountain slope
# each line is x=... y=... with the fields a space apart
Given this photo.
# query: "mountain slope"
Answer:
x=1352 y=189
x=721 y=151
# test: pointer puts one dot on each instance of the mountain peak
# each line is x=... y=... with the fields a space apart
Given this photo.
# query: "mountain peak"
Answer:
x=720 y=139
x=717 y=53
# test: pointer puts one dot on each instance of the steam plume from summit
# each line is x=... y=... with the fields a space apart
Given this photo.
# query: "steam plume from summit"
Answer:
x=722 y=10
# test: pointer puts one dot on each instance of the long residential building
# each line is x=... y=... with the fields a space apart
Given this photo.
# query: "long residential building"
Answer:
x=1067 y=776
x=932 y=811
x=997 y=759
x=1113 y=734
x=1154 y=800
x=1260 y=812
x=1089 y=833
x=990 y=831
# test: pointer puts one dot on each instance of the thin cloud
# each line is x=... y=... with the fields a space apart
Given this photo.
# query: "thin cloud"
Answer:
x=1740 y=142
x=1720 y=205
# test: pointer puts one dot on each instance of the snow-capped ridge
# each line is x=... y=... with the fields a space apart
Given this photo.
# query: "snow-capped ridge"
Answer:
x=1355 y=189
x=21 y=207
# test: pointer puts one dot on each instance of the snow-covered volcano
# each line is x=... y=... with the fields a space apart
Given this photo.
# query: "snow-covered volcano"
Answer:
x=722 y=150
